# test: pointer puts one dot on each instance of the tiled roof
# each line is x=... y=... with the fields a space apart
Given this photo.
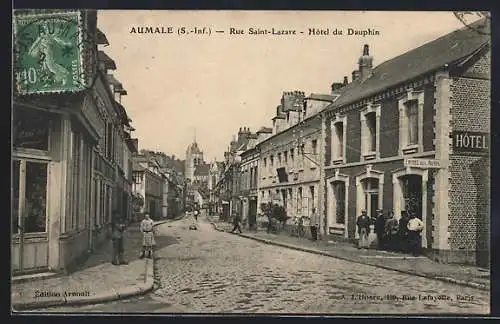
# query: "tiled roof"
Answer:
x=421 y=60
x=323 y=97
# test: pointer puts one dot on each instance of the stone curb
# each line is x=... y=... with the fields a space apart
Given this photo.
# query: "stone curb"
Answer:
x=319 y=252
x=110 y=295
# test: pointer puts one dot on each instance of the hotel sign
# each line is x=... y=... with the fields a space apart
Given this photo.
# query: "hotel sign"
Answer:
x=422 y=163
x=471 y=142
x=48 y=53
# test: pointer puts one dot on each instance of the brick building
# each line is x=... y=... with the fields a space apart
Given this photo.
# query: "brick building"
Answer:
x=412 y=134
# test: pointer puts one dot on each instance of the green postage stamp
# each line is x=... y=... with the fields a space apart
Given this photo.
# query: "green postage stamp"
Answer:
x=48 y=53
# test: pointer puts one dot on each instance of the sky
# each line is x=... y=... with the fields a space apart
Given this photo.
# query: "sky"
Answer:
x=208 y=86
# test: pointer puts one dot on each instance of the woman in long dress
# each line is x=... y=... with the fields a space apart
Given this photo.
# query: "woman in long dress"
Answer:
x=148 y=238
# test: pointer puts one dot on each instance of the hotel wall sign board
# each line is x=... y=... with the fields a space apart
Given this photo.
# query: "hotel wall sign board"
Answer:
x=476 y=143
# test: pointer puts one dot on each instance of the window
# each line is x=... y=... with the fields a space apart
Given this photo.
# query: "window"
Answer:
x=30 y=199
x=299 y=200
x=137 y=178
x=411 y=122
x=279 y=158
x=370 y=132
x=291 y=154
x=311 y=190
x=265 y=162
x=371 y=125
x=412 y=116
x=109 y=141
x=338 y=139
x=285 y=157
x=314 y=146
x=75 y=182
x=271 y=160
x=339 y=195
x=30 y=130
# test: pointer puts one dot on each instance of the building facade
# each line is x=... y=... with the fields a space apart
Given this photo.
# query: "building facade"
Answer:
x=148 y=182
x=64 y=157
x=249 y=181
x=290 y=157
x=413 y=135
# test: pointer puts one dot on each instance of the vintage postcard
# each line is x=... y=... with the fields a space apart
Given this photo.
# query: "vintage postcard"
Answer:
x=251 y=162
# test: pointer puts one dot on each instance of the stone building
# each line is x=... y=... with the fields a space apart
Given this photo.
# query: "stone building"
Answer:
x=194 y=157
x=71 y=142
x=149 y=182
x=412 y=134
x=249 y=181
x=290 y=157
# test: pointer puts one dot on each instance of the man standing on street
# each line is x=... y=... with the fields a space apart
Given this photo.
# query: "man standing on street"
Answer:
x=148 y=239
x=236 y=223
x=117 y=238
x=380 y=230
x=415 y=227
x=314 y=225
x=363 y=223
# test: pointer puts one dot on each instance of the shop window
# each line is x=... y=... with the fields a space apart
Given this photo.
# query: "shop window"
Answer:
x=30 y=129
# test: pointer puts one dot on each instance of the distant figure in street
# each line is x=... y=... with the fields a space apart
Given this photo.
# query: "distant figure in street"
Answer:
x=148 y=238
x=236 y=223
x=403 y=231
x=415 y=227
x=195 y=213
x=314 y=225
x=117 y=238
x=380 y=230
x=391 y=232
x=363 y=223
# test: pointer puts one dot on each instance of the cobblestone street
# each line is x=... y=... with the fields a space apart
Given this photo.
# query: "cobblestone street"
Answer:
x=211 y=272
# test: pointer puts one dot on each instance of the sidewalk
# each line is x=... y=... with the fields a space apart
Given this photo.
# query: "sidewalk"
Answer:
x=95 y=281
x=419 y=266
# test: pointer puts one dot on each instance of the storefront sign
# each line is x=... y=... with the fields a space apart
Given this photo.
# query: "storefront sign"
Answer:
x=48 y=51
x=422 y=163
x=470 y=142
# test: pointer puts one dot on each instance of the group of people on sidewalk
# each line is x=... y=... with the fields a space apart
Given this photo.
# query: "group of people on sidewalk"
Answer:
x=403 y=235
x=117 y=237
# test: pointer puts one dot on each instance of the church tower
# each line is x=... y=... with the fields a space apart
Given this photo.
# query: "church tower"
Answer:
x=194 y=157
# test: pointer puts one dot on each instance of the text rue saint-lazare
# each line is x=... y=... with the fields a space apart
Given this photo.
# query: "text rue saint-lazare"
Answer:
x=309 y=31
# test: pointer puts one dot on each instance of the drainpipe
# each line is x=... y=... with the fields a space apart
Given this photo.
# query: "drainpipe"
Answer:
x=322 y=182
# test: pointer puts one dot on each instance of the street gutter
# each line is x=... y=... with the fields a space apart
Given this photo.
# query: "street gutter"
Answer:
x=323 y=253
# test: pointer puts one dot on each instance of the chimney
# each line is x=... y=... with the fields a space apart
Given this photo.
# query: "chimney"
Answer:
x=365 y=63
x=355 y=75
x=345 y=80
x=336 y=86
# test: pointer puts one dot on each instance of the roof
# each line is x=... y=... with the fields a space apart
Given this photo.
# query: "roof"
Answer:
x=202 y=170
x=101 y=38
x=112 y=80
x=109 y=63
x=136 y=165
x=123 y=113
x=322 y=97
x=265 y=130
x=279 y=116
x=421 y=60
